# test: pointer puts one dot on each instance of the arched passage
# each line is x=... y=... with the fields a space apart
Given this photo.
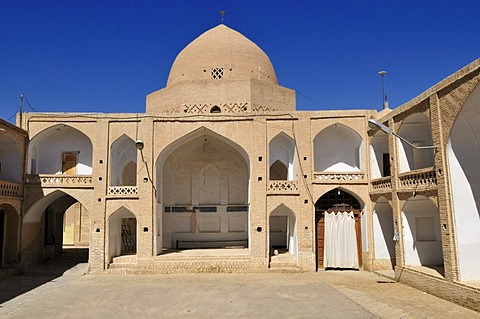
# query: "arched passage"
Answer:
x=416 y=129
x=383 y=234
x=337 y=148
x=60 y=149
x=44 y=228
x=10 y=159
x=339 y=231
x=122 y=233
x=123 y=162
x=379 y=155
x=463 y=152
x=203 y=181
x=282 y=158
x=421 y=233
x=9 y=236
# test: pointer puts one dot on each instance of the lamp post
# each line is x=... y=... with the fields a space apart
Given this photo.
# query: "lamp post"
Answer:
x=382 y=74
x=374 y=124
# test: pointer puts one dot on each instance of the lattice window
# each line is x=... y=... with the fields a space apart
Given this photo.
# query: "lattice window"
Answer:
x=217 y=73
x=337 y=200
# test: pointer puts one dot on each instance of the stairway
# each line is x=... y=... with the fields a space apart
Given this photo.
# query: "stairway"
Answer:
x=283 y=262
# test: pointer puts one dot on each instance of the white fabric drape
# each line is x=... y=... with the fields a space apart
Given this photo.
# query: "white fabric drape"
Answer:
x=340 y=241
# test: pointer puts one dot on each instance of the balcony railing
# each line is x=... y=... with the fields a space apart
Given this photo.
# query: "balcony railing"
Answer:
x=60 y=181
x=420 y=178
x=381 y=184
x=10 y=189
x=123 y=191
x=282 y=187
x=340 y=177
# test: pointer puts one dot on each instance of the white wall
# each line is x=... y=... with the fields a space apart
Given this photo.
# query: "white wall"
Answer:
x=50 y=144
x=383 y=230
x=123 y=151
x=463 y=152
x=417 y=130
x=338 y=148
x=10 y=159
x=421 y=253
x=378 y=146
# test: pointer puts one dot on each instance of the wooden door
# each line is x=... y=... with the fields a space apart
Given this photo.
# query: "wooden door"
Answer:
x=69 y=163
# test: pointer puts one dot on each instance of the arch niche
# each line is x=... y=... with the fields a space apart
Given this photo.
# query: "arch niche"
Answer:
x=203 y=190
x=282 y=158
x=283 y=231
x=60 y=149
x=339 y=230
x=123 y=162
x=379 y=155
x=10 y=159
x=383 y=233
x=338 y=148
x=9 y=236
x=122 y=233
x=463 y=150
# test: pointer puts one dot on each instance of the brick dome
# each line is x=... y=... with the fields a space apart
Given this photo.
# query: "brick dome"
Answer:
x=221 y=54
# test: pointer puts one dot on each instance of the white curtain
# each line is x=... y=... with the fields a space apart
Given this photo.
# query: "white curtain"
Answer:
x=340 y=241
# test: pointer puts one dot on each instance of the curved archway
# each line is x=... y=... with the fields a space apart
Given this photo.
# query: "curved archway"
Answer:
x=10 y=159
x=463 y=151
x=123 y=162
x=203 y=183
x=44 y=227
x=421 y=233
x=282 y=225
x=282 y=158
x=337 y=148
x=339 y=230
x=122 y=233
x=9 y=236
x=417 y=129
x=383 y=234
x=60 y=149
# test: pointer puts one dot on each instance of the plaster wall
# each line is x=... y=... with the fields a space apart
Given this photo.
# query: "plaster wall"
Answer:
x=378 y=147
x=10 y=158
x=383 y=231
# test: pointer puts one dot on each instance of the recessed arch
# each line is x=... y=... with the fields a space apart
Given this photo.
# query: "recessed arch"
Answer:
x=338 y=148
x=123 y=162
x=48 y=149
x=379 y=155
x=282 y=155
x=10 y=159
x=463 y=151
x=383 y=234
x=282 y=226
x=416 y=129
x=9 y=236
x=122 y=233
x=421 y=233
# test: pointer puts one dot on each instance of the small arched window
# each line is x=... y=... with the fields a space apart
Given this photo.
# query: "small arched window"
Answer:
x=215 y=109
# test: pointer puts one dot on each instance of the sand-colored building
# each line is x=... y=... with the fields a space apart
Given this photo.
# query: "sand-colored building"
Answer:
x=222 y=174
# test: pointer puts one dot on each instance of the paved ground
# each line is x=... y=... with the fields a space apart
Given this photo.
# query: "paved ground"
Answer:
x=345 y=294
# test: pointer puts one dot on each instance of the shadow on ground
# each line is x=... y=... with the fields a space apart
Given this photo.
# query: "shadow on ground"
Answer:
x=35 y=276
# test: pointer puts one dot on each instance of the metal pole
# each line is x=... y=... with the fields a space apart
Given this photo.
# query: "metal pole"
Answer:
x=21 y=110
x=382 y=74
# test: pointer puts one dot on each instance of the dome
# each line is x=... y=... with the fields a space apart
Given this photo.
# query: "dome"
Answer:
x=221 y=54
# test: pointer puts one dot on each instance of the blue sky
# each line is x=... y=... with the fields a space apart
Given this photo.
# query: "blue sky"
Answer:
x=106 y=56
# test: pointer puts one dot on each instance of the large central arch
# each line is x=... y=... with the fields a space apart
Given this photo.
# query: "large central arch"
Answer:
x=203 y=192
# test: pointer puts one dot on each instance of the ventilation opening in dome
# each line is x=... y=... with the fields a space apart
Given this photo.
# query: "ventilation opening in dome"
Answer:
x=215 y=109
x=217 y=73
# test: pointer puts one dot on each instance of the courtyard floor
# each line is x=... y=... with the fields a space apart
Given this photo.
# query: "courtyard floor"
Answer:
x=59 y=289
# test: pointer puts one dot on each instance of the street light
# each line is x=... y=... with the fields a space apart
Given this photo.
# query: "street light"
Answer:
x=374 y=124
x=382 y=74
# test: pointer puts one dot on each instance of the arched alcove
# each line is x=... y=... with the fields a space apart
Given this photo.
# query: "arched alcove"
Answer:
x=282 y=158
x=379 y=155
x=9 y=236
x=123 y=162
x=421 y=233
x=203 y=181
x=60 y=149
x=383 y=233
x=282 y=226
x=338 y=223
x=10 y=159
x=463 y=152
x=338 y=148
x=122 y=233
x=416 y=129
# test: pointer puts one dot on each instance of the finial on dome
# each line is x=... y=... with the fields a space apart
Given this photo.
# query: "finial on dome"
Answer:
x=222 y=13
